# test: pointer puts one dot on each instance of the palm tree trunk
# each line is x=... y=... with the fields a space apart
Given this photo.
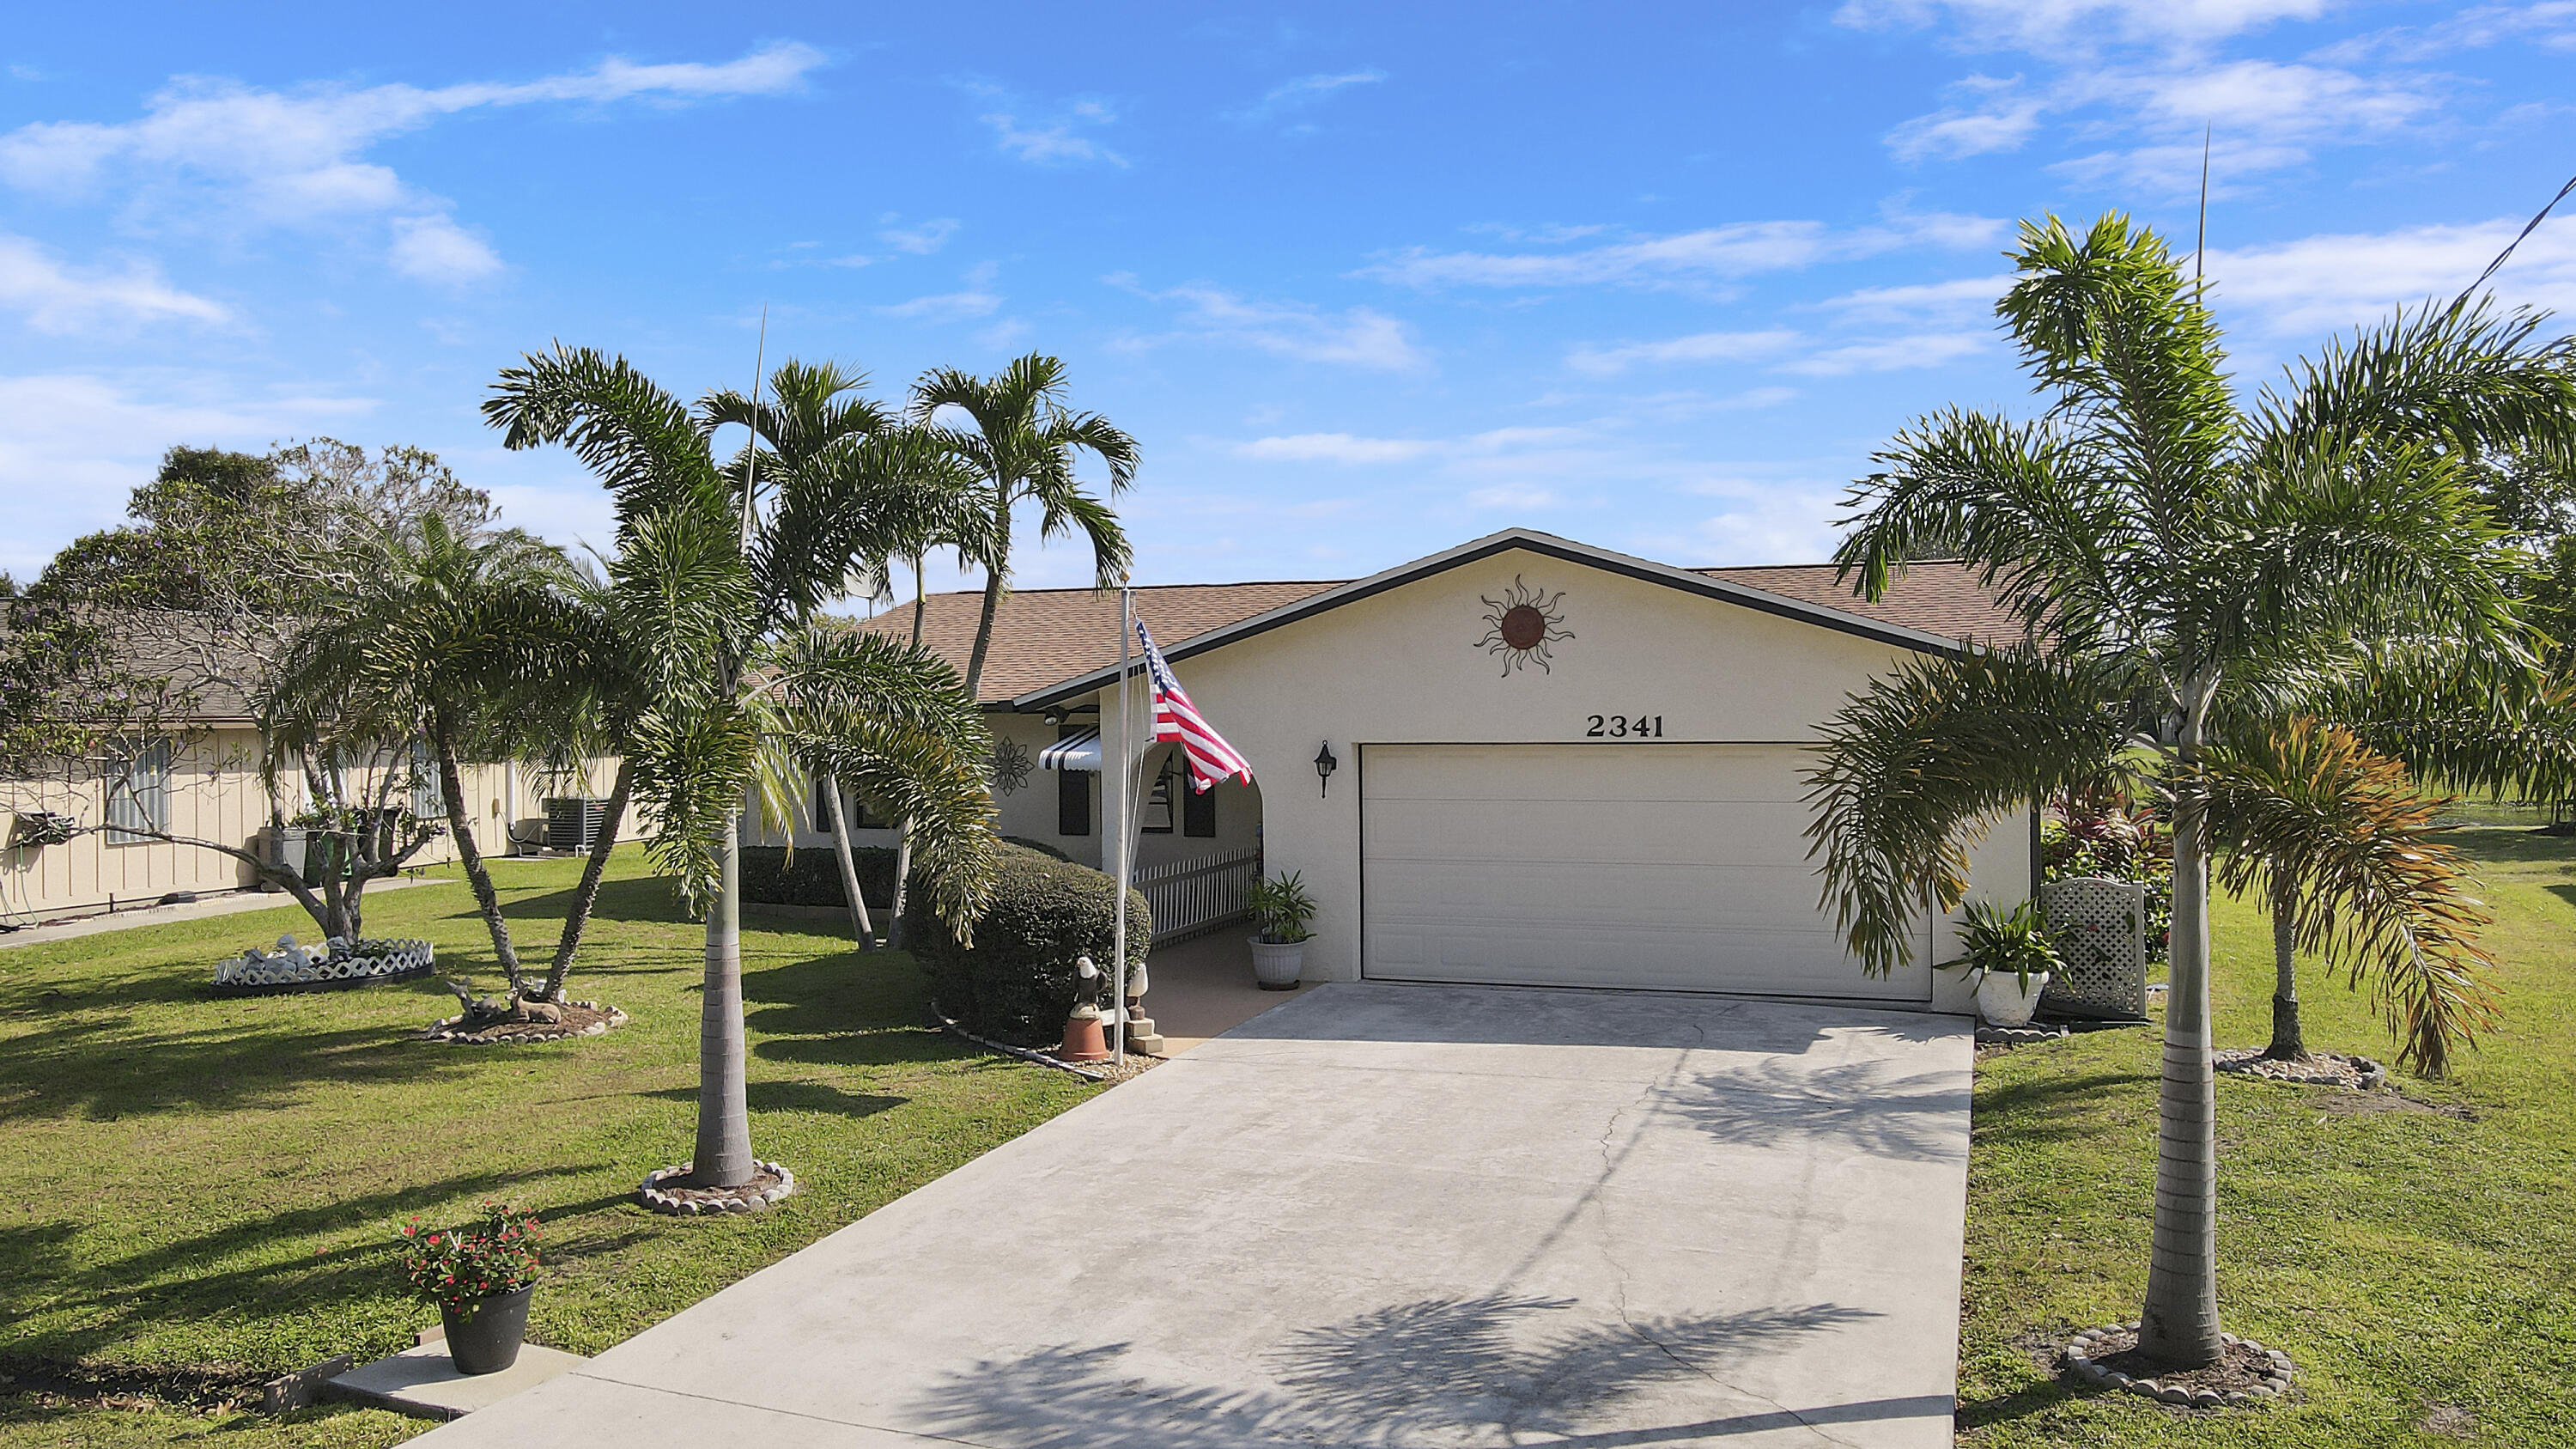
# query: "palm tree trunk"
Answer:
x=723 y=1155
x=860 y=926
x=586 y=895
x=460 y=824
x=2180 y=1322
x=920 y=599
x=984 y=629
x=896 y=935
x=2289 y=1043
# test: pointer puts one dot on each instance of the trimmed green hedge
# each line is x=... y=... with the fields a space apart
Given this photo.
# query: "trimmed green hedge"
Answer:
x=814 y=878
x=1017 y=982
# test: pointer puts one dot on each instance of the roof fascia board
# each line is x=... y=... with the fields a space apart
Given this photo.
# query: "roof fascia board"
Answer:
x=1530 y=541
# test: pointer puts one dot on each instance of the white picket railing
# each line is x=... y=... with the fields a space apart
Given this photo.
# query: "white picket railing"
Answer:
x=1198 y=894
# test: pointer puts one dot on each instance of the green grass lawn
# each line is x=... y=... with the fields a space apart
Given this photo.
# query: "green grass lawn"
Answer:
x=2411 y=1261
x=199 y=1181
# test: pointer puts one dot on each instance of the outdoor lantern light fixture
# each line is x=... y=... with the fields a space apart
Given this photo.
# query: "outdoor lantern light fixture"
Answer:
x=1324 y=763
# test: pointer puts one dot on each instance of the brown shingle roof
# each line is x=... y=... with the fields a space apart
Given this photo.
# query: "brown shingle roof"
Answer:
x=1043 y=636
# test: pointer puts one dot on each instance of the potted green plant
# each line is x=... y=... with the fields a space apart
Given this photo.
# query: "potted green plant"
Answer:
x=481 y=1278
x=2009 y=957
x=1281 y=908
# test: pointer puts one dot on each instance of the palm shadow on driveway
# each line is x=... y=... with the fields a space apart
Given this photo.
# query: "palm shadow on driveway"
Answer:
x=1449 y=1371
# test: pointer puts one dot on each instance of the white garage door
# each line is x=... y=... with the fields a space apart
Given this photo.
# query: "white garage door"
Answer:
x=1675 y=867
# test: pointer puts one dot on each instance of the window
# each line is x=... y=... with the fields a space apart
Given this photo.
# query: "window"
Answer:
x=1158 y=805
x=428 y=800
x=1072 y=792
x=857 y=811
x=138 y=797
x=1198 y=813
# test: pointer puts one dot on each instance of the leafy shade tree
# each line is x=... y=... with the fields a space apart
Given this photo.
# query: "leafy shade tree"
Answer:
x=463 y=636
x=2187 y=572
x=707 y=578
x=1023 y=446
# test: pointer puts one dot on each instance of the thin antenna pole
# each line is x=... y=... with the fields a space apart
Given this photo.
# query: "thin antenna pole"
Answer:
x=751 y=460
x=1126 y=823
x=2200 y=247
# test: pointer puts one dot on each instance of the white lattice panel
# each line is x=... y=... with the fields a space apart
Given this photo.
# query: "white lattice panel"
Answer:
x=2101 y=930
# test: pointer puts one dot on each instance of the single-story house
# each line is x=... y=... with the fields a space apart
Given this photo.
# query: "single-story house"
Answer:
x=1523 y=760
x=203 y=781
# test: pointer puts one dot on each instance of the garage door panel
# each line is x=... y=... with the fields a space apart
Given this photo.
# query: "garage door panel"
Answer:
x=1676 y=867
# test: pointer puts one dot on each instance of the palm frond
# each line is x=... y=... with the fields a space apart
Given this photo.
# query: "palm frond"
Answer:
x=1914 y=770
x=2311 y=807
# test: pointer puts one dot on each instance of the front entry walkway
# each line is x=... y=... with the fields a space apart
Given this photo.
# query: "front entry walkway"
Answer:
x=1379 y=1215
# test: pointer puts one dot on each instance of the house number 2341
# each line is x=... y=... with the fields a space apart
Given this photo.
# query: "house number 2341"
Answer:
x=1625 y=727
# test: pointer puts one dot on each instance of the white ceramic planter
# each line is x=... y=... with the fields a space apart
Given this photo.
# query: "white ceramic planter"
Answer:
x=2001 y=1001
x=1277 y=965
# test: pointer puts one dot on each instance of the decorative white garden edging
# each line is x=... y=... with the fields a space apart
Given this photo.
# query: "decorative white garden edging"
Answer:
x=337 y=963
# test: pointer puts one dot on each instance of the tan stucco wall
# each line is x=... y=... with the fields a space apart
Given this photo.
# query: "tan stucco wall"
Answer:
x=1404 y=667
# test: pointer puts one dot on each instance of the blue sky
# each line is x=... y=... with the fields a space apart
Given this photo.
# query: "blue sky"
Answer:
x=1366 y=281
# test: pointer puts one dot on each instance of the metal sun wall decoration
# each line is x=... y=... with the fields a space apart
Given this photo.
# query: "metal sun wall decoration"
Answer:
x=1522 y=624
x=1010 y=766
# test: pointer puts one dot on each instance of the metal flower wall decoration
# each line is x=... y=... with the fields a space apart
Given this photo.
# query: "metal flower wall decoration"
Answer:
x=1522 y=624
x=1010 y=766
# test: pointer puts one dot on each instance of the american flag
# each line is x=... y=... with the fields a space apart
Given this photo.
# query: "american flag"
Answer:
x=1176 y=719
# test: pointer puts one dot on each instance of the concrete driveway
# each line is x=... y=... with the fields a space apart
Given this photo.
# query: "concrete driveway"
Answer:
x=1380 y=1215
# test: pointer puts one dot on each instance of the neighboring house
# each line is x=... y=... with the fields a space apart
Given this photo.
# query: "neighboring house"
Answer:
x=1554 y=764
x=203 y=781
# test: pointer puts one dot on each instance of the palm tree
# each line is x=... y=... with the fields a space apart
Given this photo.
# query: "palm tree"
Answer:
x=706 y=579
x=1023 y=446
x=436 y=629
x=2180 y=566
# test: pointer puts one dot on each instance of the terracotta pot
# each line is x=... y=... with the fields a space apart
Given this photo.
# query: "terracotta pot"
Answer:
x=1276 y=965
x=2002 y=1001
x=488 y=1341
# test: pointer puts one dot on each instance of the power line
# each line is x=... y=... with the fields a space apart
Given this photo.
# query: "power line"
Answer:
x=2563 y=193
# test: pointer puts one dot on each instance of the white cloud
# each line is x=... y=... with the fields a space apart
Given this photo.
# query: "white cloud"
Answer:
x=1767 y=520
x=921 y=240
x=1699 y=347
x=1360 y=337
x=435 y=249
x=1924 y=349
x=1987 y=114
x=2549 y=24
x=1049 y=142
x=1952 y=301
x=217 y=154
x=1334 y=448
x=1738 y=249
x=78 y=443
x=1306 y=91
x=58 y=299
x=947 y=306
x=2079 y=25
x=1521 y=496
x=2326 y=283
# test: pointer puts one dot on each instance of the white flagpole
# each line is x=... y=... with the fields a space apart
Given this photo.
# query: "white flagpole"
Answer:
x=1118 y=938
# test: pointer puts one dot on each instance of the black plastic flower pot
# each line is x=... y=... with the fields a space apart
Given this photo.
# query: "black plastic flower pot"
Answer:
x=488 y=1341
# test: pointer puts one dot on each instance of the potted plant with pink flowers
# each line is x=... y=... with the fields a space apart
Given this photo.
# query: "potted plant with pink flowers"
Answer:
x=481 y=1277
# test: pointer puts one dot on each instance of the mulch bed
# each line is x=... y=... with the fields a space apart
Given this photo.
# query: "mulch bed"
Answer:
x=2245 y=1373
x=580 y=1018
x=2320 y=1069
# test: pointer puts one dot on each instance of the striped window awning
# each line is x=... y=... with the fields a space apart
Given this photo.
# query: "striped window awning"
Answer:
x=1074 y=752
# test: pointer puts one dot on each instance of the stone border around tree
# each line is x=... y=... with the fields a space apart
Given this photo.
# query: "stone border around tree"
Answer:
x=2079 y=1358
x=2321 y=1069
x=446 y=1029
x=736 y=1200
